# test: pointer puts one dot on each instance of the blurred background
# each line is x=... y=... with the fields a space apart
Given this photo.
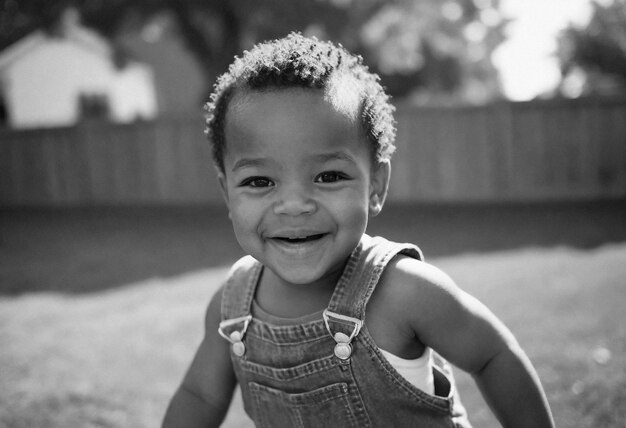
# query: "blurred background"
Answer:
x=511 y=157
x=497 y=100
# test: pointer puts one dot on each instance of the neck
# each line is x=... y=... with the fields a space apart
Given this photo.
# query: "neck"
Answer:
x=288 y=300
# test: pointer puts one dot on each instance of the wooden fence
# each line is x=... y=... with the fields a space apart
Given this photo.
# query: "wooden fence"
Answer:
x=556 y=149
x=161 y=162
x=541 y=150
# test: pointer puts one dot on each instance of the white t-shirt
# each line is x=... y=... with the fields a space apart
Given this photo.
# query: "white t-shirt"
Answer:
x=419 y=372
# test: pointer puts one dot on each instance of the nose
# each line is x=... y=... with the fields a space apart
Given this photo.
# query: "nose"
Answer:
x=295 y=199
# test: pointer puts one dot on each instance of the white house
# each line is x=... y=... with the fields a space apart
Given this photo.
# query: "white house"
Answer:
x=51 y=80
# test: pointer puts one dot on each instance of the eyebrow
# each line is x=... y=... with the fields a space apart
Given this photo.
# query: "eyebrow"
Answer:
x=324 y=157
x=248 y=162
x=341 y=156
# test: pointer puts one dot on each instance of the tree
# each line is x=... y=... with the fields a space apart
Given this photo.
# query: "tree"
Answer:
x=428 y=46
x=439 y=49
x=593 y=58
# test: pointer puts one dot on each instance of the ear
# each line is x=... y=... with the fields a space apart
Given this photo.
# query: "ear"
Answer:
x=381 y=172
x=221 y=178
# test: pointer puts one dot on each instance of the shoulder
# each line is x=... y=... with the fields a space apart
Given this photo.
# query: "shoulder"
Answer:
x=421 y=295
x=409 y=301
x=213 y=314
x=414 y=279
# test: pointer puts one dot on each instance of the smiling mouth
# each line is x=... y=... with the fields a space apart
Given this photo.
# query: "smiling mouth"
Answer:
x=300 y=240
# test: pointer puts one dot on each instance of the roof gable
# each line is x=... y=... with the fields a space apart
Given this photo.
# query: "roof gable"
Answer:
x=79 y=36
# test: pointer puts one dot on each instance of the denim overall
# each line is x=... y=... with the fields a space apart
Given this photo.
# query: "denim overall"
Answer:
x=329 y=372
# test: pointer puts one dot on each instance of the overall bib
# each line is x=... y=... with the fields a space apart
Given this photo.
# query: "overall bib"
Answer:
x=328 y=372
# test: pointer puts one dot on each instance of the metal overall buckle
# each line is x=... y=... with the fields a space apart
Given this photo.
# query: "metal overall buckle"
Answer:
x=343 y=348
x=236 y=336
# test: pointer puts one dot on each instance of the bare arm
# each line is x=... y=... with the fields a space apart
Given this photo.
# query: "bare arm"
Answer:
x=471 y=337
x=203 y=398
x=520 y=400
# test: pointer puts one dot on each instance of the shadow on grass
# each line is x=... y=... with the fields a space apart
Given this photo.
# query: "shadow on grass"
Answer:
x=89 y=249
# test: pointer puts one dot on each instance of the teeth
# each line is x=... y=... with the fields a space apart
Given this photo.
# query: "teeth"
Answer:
x=301 y=238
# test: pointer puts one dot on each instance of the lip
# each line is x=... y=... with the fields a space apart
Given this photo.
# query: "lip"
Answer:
x=298 y=243
x=300 y=234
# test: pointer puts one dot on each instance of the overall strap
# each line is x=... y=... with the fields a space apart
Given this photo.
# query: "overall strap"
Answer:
x=237 y=302
x=240 y=287
x=362 y=273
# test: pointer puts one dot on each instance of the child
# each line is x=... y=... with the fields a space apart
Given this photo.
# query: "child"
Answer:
x=323 y=325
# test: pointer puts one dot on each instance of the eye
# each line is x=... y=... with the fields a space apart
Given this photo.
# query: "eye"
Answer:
x=330 y=177
x=256 y=182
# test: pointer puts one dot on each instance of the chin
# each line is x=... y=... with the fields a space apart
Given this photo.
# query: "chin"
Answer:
x=299 y=277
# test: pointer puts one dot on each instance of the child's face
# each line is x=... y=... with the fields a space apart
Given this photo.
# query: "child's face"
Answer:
x=299 y=182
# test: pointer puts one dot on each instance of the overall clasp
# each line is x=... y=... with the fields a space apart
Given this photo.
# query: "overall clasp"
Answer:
x=343 y=348
x=236 y=336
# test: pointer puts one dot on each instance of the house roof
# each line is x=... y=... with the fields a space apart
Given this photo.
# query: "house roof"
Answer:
x=80 y=36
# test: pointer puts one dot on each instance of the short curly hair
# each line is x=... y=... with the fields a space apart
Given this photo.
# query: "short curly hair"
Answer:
x=301 y=62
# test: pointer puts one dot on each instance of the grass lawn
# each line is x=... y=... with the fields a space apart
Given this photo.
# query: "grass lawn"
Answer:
x=100 y=313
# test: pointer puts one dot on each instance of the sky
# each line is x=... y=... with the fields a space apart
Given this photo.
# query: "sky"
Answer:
x=526 y=60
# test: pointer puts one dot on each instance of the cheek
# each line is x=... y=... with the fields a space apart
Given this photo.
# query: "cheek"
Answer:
x=245 y=228
x=351 y=208
x=246 y=215
x=242 y=214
